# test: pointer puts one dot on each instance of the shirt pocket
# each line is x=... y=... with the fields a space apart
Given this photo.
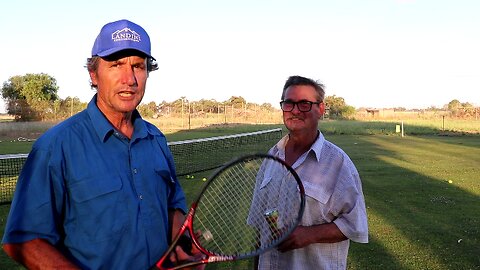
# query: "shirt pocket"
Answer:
x=316 y=192
x=98 y=207
x=316 y=205
x=269 y=195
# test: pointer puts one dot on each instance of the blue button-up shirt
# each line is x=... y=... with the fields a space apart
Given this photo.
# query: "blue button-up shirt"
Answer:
x=99 y=197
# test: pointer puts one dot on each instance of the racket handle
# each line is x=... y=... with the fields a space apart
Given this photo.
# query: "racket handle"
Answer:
x=185 y=242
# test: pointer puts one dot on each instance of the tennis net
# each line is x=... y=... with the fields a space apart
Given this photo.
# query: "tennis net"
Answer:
x=191 y=156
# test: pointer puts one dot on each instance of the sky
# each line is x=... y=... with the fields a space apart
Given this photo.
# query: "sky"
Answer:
x=375 y=54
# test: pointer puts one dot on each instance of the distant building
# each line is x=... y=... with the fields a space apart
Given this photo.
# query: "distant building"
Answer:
x=380 y=113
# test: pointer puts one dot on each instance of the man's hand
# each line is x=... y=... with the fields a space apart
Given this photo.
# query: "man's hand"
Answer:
x=297 y=239
x=179 y=256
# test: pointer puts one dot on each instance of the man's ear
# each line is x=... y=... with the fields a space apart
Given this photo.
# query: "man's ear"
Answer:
x=93 y=77
x=321 y=107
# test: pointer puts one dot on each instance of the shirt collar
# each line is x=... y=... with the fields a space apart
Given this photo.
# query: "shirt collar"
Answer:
x=139 y=126
x=314 y=150
x=317 y=146
x=104 y=129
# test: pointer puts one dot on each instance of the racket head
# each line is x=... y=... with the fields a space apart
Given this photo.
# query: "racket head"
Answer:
x=248 y=206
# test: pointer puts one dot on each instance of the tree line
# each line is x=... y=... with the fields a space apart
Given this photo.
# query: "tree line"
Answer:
x=34 y=97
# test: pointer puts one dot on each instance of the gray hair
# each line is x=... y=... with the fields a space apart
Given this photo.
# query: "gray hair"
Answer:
x=299 y=80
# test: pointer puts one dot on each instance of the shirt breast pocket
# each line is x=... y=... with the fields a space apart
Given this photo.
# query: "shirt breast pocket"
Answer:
x=317 y=207
x=268 y=194
x=316 y=192
x=98 y=209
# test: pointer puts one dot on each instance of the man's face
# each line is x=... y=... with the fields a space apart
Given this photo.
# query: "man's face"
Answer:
x=302 y=121
x=120 y=83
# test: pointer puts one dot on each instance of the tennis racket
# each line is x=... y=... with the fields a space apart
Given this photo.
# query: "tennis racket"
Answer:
x=249 y=205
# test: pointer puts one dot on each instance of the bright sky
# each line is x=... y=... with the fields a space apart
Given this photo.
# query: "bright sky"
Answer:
x=384 y=53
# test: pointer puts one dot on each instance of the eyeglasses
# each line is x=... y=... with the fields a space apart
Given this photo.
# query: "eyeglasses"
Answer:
x=303 y=106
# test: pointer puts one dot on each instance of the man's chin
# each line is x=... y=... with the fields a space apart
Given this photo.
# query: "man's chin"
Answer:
x=294 y=127
x=129 y=106
x=294 y=124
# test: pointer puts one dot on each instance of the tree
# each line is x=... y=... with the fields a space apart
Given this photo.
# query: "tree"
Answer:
x=69 y=106
x=209 y=105
x=454 y=105
x=348 y=112
x=148 y=110
x=267 y=107
x=334 y=106
x=237 y=100
x=459 y=109
x=30 y=97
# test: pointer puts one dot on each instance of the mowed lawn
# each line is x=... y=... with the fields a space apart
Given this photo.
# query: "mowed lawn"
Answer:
x=417 y=219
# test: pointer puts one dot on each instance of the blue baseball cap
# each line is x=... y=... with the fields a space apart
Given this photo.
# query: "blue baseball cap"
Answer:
x=121 y=35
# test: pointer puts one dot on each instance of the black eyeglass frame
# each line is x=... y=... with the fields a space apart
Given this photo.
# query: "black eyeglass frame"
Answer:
x=298 y=103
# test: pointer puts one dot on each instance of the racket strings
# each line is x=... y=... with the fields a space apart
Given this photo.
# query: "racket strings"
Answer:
x=220 y=212
x=213 y=218
x=239 y=213
x=277 y=207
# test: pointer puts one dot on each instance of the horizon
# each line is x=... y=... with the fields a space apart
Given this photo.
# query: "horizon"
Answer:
x=374 y=54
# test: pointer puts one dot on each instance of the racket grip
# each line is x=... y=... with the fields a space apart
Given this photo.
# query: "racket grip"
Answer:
x=185 y=242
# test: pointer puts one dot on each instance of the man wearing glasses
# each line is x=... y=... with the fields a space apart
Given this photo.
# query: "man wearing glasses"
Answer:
x=335 y=207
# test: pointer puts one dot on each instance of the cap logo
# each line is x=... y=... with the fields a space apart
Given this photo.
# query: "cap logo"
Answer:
x=125 y=34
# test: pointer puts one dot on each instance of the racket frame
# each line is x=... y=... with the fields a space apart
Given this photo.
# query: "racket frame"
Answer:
x=189 y=219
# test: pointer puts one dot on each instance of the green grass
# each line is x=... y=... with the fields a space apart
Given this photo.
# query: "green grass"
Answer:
x=15 y=147
x=417 y=219
x=411 y=127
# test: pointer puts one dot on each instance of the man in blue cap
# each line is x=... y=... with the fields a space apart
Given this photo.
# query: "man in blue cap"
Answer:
x=99 y=190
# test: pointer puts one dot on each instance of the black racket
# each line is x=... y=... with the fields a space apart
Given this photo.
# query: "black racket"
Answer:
x=247 y=207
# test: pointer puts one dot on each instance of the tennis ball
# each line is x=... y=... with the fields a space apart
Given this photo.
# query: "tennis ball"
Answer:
x=192 y=176
x=450 y=181
x=188 y=176
x=204 y=179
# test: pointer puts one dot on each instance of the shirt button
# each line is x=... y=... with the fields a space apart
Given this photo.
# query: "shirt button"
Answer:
x=140 y=197
x=135 y=171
